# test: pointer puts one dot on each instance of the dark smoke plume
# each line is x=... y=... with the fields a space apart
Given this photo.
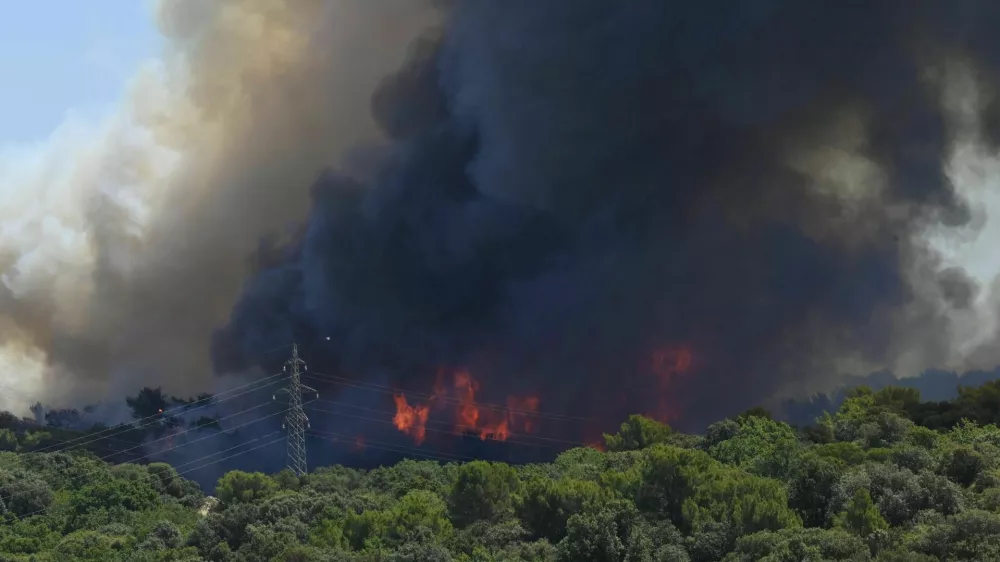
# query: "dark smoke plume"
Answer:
x=572 y=185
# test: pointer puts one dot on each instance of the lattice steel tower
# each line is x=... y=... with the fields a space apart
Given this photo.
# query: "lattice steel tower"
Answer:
x=296 y=420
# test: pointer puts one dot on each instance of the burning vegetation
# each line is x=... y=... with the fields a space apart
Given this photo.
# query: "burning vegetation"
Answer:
x=456 y=395
x=469 y=416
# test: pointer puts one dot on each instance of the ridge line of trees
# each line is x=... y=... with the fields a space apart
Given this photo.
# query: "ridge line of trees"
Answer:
x=886 y=477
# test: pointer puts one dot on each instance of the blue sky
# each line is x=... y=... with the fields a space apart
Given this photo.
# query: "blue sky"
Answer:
x=67 y=55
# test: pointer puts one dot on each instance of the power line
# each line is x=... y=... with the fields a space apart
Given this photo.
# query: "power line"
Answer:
x=396 y=390
x=441 y=431
x=279 y=348
x=173 y=435
x=392 y=447
x=55 y=429
x=296 y=421
x=24 y=451
x=232 y=456
x=181 y=473
x=483 y=405
x=439 y=423
x=212 y=400
x=75 y=479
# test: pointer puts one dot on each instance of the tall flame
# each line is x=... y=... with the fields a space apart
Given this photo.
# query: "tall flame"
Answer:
x=411 y=420
x=489 y=422
x=465 y=388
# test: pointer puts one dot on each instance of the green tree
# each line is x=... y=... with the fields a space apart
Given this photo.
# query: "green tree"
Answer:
x=861 y=516
x=24 y=493
x=87 y=545
x=148 y=403
x=8 y=440
x=8 y=420
x=898 y=400
x=408 y=475
x=963 y=465
x=810 y=486
x=34 y=440
x=548 y=504
x=287 y=480
x=797 y=545
x=605 y=534
x=416 y=510
x=245 y=487
x=130 y=495
x=638 y=432
x=759 y=445
x=755 y=412
x=693 y=490
x=483 y=491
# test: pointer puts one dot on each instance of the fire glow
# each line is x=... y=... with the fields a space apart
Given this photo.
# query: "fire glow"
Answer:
x=486 y=421
x=669 y=363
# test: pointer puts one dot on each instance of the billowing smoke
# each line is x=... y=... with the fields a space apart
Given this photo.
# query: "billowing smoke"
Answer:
x=577 y=188
x=565 y=198
x=124 y=244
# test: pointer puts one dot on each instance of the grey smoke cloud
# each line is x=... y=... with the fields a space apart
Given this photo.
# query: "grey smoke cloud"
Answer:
x=574 y=184
x=124 y=243
x=543 y=192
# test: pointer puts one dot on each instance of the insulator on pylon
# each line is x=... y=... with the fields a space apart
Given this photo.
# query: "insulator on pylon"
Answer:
x=309 y=425
x=317 y=396
x=282 y=426
x=305 y=366
x=274 y=397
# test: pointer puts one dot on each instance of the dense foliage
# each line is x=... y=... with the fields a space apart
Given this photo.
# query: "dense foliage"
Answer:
x=885 y=478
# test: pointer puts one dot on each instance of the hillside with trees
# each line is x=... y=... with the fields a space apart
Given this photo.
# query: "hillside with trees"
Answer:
x=885 y=478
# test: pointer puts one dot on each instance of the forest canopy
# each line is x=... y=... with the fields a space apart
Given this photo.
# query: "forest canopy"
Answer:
x=885 y=478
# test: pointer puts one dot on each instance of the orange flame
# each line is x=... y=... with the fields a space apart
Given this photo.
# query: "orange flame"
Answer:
x=411 y=420
x=466 y=387
x=488 y=422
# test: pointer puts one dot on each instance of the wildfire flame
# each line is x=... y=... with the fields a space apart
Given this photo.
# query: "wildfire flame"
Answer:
x=411 y=420
x=486 y=421
x=465 y=388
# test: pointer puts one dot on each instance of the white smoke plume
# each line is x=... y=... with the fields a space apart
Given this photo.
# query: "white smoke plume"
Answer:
x=123 y=243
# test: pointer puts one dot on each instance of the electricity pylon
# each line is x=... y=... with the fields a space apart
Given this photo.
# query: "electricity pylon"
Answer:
x=296 y=420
